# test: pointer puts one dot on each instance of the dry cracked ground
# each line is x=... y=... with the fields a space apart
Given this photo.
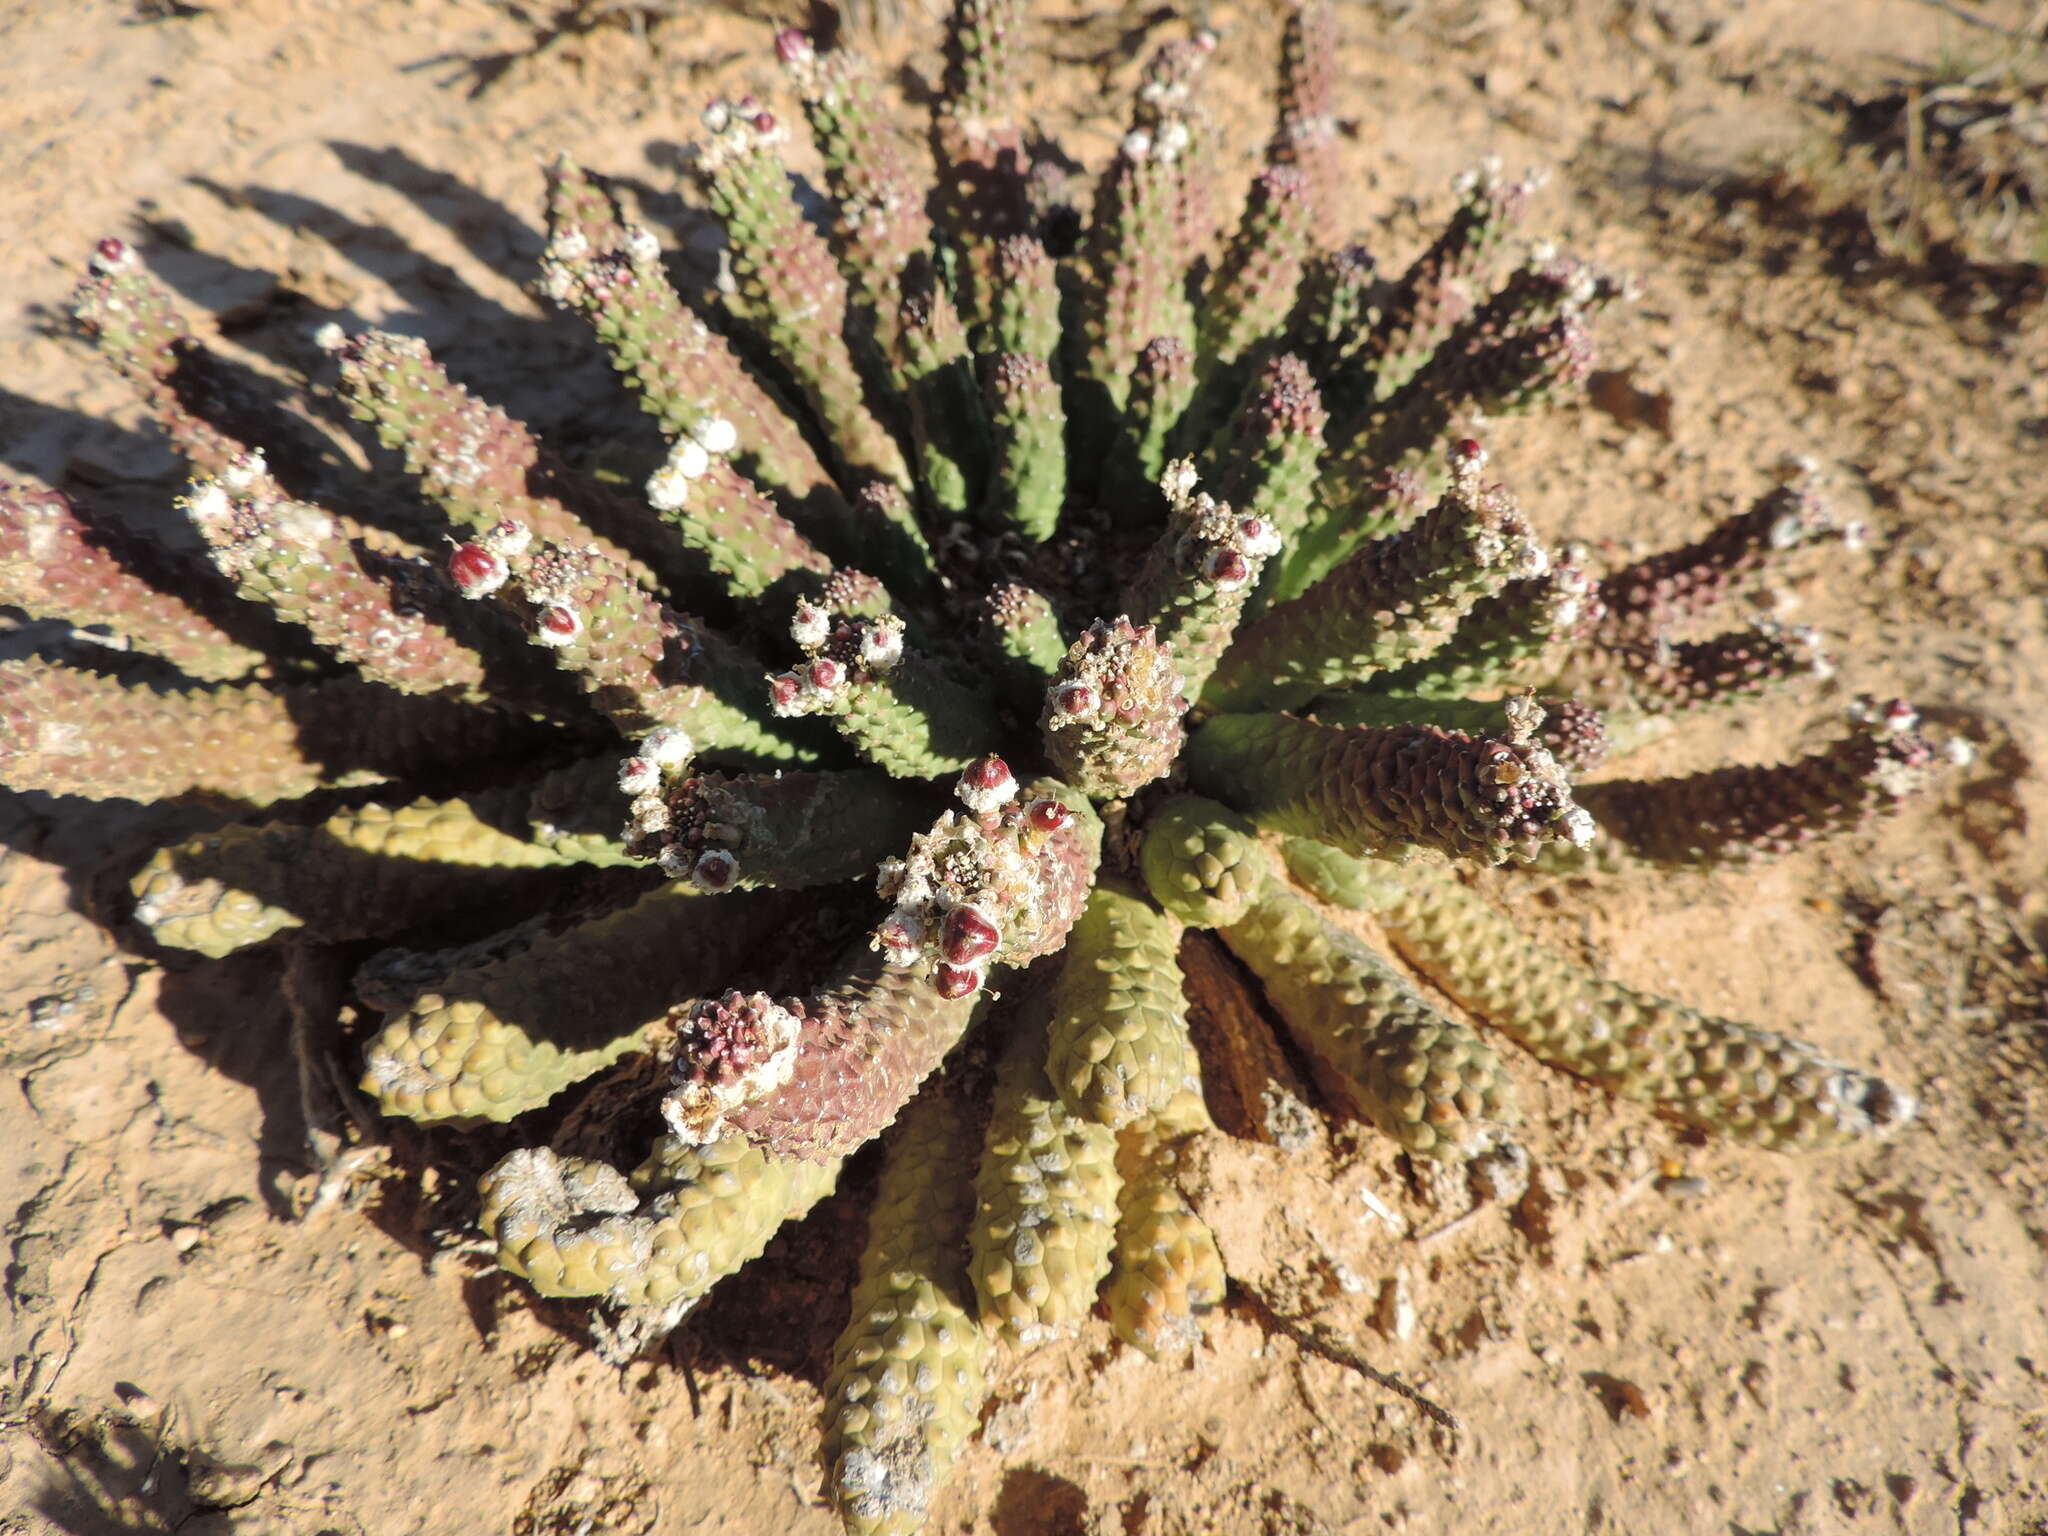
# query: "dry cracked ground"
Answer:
x=205 y=1333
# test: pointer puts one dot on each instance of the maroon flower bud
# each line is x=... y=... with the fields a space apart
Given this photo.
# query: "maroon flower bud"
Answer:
x=967 y=935
x=791 y=44
x=476 y=571
x=764 y=122
x=1047 y=816
x=1073 y=698
x=986 y=773
x=559 y=624
x=825 y=674
x=783 y=689
x=986 y=784
x=958 y=981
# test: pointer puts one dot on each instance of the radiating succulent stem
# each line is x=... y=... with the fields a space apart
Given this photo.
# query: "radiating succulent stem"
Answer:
x=1392 y=602
x=73 y=732
x=1436 y=292
x=55 y=565
x=888 y=531
x=1112 y=718
x=1332 y=321
x=1202 y=861
x=788 y=287
x=905 y=1390
x=1367 y=791
x=642 y=664
x=882 y=224
x=788 y=829
x=688 y=1217
x=1336 y=526
x=1514 y=374
x=1750 y=815
x=1118 y=1049
x=1512 y=635
x=368 y=598
x=818 y=1076
x=1162 y=387
x=379 y=870
x=136 y=325
x=1265 y=459
x=1168 y=107
x=1339 y=878
x=1028 y=472
x=1026 y=302
x=1575 y=734
x=476 y=463
x=1137 y=259
x=685 y=373
x=948 y=425
x=1023 y=638
x=1735 y=1080
x=981 y=42
x=1428 y=1081
x=1306 y=135
x=1165 y=1271
x=898 y=709
x=718 y=512
x=1045 y=1200
x=502 y=1035
x=981 y=196
x=869 y=1038
x=999 y=886
x=1193 y=585
x=1253 y=288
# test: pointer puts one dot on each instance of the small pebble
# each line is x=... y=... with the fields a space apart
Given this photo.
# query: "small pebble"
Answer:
x=1395 y=1315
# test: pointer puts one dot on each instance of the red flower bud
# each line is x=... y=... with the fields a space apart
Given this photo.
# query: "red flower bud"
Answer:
x=1073 y=698
x=1047 y=815
x=475 y=570
x=958 y=981
x=986 y=784
x=985 y=773
x=967 y=935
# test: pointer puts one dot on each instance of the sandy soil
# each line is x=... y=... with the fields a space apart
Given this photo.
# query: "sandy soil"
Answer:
x=1665 y=1337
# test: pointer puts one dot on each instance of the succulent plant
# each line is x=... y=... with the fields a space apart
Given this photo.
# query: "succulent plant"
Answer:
x=1025 y=584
